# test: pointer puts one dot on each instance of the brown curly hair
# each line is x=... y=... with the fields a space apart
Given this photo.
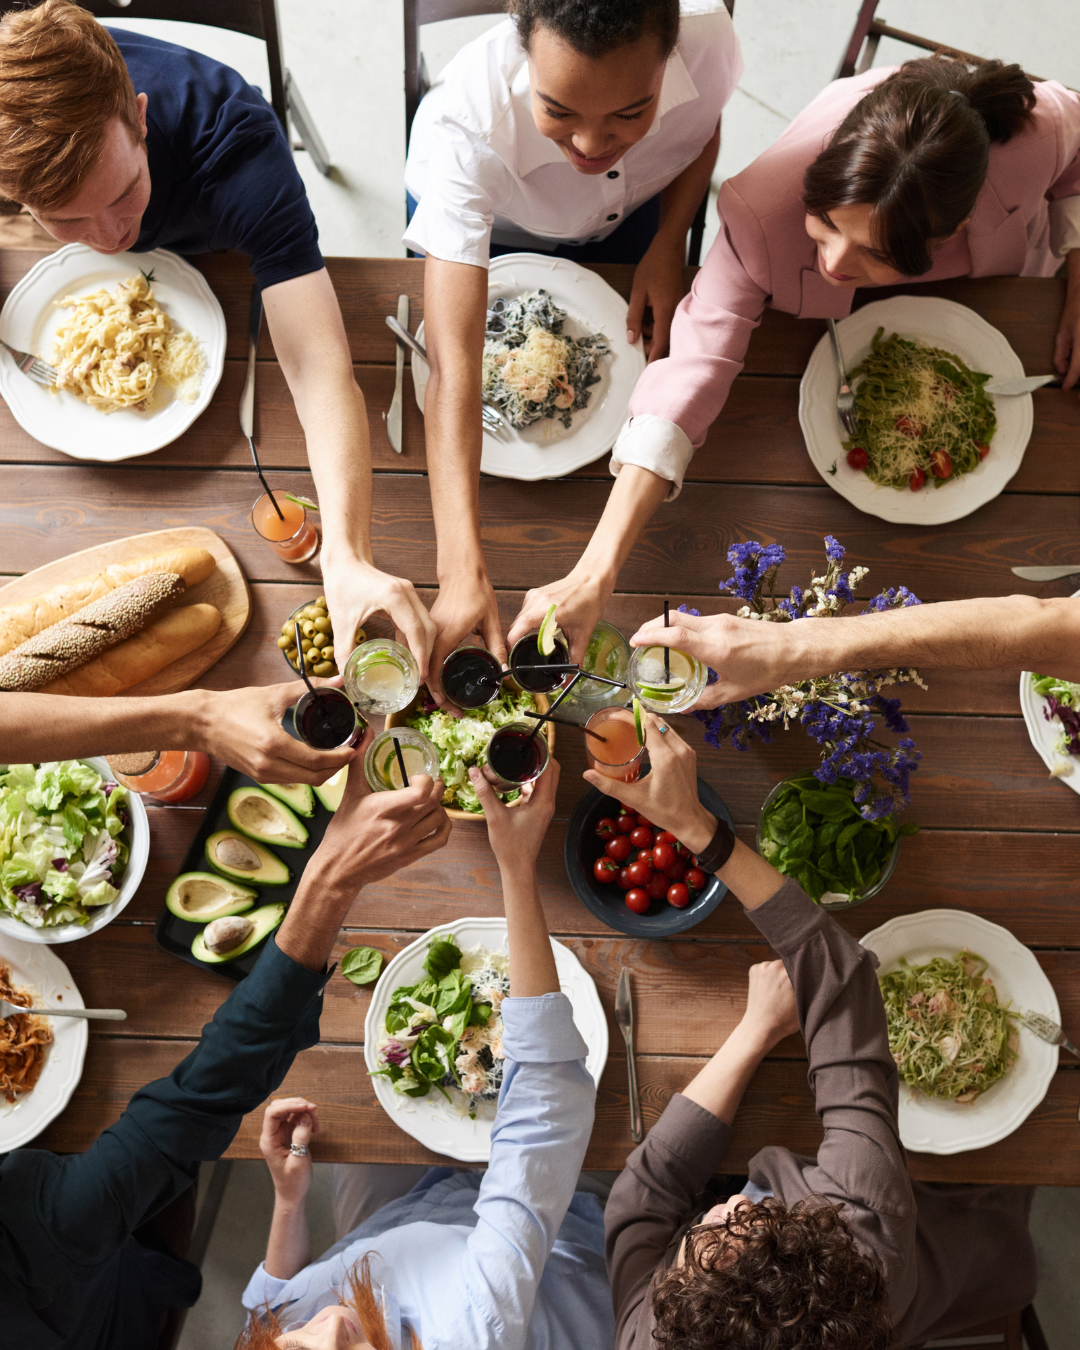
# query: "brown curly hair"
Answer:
x=771 y=1278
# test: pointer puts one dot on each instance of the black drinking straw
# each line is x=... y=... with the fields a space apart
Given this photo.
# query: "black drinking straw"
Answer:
x=400 y=760
x=667 y=650
x=565 y=722
x=544 y=717
x=263 y=481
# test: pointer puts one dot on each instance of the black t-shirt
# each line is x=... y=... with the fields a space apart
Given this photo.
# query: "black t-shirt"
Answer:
x=221 y=172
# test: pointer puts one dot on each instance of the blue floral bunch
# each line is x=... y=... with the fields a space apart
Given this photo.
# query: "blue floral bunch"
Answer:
x=838 y=711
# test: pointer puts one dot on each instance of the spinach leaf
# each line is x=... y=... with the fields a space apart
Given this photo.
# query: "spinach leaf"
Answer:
x=361 y=965
x=433 y=1054
x=443 y=955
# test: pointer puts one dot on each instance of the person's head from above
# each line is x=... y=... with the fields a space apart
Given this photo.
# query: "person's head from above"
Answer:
x=72 y=129
x=764 y=1277
x=902 y=173
x=596 y=68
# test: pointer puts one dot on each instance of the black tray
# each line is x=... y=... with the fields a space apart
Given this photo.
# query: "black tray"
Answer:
x=175 y=936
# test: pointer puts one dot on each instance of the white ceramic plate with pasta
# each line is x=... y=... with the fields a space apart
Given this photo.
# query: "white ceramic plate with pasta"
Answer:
x=547 y=449
x=44 y=975
x=31 y=318
x=938 y=323
x=928 y=1125
x=437 y=1124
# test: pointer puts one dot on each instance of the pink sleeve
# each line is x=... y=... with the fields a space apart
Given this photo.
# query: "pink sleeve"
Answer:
x=1066 y=110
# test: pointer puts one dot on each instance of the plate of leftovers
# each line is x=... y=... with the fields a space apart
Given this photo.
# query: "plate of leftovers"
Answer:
x=433 y=1033
x=932 y=445
x=1051 y=708
x=137 y=339
x=952 y=984
x=556 y=364
x=41 y=1058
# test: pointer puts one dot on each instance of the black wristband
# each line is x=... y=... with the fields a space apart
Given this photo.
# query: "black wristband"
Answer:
x=719 y=848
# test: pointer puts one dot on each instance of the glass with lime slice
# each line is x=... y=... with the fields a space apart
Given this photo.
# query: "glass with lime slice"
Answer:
x=607 y=654
x=381 y=677
x=666 y=690
x=381 y=766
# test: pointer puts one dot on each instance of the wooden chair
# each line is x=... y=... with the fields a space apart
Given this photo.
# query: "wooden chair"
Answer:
x=256 y=18
x=1013 y=1332
x=420 y=12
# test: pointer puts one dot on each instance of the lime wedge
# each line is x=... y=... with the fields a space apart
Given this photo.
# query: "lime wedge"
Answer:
x=305 y=502
x=545 y=639
x=639 y=723
x=663 y=691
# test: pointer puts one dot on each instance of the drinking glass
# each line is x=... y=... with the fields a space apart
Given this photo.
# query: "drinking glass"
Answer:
x=516 y=756
x=525 y=653
x=618 y=756
x=472 y=677
x=381 y=762
x=328 y=720
x=291 y=535
x=381 y=677
x=649 y=679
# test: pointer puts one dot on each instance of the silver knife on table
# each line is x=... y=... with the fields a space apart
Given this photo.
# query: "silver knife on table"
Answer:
x=624 y=1019
x=1046 y=573
x=393 y=417
x=247 y=397
x=1023 y=385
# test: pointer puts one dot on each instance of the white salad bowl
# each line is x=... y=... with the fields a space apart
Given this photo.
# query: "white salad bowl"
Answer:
x=138 y=857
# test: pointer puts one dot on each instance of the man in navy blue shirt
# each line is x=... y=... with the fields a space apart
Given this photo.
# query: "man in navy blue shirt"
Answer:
x=121 y=142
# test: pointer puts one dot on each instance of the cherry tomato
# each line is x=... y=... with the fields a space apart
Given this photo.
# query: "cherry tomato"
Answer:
x=618 y=848
x=941 y=464
x=658 y=886
x=666 y=837
x=677 y=871
x=857 y=457
x=626 y=824
x=605 y=828
x=681 y=849
x=623 y=879
x=917 y=479
x=628 y=810
x=678 y=895
x=645 y=824
x=663 y=856
x=641 y=837
x=696 y=879
x=637 y=900
x=640 y=873
x=907 y=426
x=644 y=855
x=983 y=449
x=605 y=869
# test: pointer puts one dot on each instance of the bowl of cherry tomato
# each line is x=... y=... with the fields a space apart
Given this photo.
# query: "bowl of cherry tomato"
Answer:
x=634 y=876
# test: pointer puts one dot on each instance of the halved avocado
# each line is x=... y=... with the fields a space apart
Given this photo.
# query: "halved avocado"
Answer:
x=297 y=795
x=263 y=922
x=228 y=852
x=200 y=897
x=332 y=791
x=258 y=815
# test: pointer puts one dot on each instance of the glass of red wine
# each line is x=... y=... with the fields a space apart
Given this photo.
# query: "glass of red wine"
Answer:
x=472 y=677
x=517 y=754
x=525 y=654
x=327 y=720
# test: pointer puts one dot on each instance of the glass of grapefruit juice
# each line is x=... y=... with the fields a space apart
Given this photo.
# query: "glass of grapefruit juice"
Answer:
x=291 y=535
x=618 y=756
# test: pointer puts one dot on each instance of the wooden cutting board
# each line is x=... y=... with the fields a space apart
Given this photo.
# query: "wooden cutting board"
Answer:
x=226 y=587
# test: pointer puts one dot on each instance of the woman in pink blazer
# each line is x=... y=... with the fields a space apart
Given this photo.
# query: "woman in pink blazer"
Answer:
x=922 y=172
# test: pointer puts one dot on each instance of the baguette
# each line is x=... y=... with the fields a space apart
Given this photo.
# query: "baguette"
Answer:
x=24 y=620
x=161 y=643
x=71 y=643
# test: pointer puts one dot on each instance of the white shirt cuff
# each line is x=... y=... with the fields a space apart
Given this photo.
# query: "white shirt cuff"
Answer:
x=262 y=1289
x=656 y=444
x=1064 y=225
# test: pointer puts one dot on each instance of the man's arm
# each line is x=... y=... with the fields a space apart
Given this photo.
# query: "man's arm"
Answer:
x=313 y=350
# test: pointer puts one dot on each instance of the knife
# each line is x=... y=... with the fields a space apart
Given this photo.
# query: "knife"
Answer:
x=1022 y=386
x=1047 y=573
x=393 y=417
x=247 y=398
x=624 y=1019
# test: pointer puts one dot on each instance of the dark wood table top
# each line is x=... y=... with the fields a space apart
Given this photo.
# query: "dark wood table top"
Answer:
x=998 y=836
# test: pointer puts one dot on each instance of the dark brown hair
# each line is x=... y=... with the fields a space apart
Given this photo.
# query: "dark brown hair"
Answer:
x=596 y=27
x=917 y=148
x=771 y=1278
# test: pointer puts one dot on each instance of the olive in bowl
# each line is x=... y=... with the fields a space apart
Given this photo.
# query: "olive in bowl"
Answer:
x=316 y=638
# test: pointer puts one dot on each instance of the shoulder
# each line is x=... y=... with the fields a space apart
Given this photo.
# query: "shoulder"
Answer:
x=707 y=37
x=477 y=87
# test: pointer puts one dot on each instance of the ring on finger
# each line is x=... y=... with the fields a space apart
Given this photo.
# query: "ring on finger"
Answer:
x=662 y=729
x=298 y=1150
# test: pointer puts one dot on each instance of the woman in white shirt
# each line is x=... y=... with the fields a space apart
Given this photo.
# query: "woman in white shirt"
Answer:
x=588 y=130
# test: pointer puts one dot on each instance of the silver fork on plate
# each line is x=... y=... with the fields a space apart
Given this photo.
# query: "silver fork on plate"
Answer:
x=492 y=416
x=108 y=1014
x=1046 y=1029
x=32 y=366
x=845 y=399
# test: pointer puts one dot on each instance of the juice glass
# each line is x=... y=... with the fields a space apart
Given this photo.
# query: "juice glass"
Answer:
x=328 y=720
x=525 y=653
x=381 y=765
x=608 y=653
x=165 y=776
x=516 y=756
x=472 y=677
x=381 y=677
x=618 y=756
x=291 y=535
x=650 y=682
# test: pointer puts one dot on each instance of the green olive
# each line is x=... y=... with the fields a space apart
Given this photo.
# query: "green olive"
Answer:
x=358 y=637
x=311 y=612
x=324 y=668
x=328 y=652
x=284 y=642
x=320 y=640
x=323 y=625
x=321 y=601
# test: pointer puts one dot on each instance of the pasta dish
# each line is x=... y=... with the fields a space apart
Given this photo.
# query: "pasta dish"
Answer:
x=23 y=1038
x=116 y=347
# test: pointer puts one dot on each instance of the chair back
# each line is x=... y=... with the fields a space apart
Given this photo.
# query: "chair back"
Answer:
x=418 y=13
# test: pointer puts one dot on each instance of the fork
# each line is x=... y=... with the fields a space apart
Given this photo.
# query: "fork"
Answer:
x=492 y=416
x=108 y=1014
x=845 y=399
x=1047 y=1030
x=32 y=366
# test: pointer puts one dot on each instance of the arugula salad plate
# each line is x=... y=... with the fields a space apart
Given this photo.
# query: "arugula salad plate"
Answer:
x=445 y=1126
x=547 y=449
x=929 y=1125
x=1045 y=732
x=937 y=323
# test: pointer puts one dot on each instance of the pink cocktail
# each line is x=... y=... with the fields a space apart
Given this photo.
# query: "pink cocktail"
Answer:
x=618 y=755
x=291 y=535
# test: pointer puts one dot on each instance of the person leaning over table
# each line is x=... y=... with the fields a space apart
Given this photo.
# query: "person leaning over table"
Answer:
x=496 y=1260
x=843 y=1250
x=584 y=129
x=921 y=172
x=81 y=1264
x=124 y=143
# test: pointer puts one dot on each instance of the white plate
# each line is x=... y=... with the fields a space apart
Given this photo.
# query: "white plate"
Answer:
x=940 y=323
x=930 y=1126
x=1042 y=731
x=137 y=860
x=29 y=321
x=42 y=972
x=430 y=1119
x=547 y=449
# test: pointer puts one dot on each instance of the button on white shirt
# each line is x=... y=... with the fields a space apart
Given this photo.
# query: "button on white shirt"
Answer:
x=479 y=167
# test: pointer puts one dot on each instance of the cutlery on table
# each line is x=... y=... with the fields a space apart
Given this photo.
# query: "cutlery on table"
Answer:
x=493 y=417
x=104 y=1014
x=393 y=417
x=1047 y=1030
x=624 y=1019
x=845 y=399
x=247 y=394
x=33 y=367
x=1024 y=385
x=1046 y=573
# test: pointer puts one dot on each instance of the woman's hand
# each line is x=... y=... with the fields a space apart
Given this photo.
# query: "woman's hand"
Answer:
x=289 y=1121
x=770 y=1005
x=464 y=606
x=516 y=835
x=1067 y=343
x=750 y=657
x=658 y=285
x=355 y=590
x=580 y=602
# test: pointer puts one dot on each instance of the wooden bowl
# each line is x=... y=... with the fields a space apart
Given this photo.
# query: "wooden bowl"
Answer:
x=543 y=703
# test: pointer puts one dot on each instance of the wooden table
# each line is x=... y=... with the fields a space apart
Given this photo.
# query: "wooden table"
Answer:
x=998 y=837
